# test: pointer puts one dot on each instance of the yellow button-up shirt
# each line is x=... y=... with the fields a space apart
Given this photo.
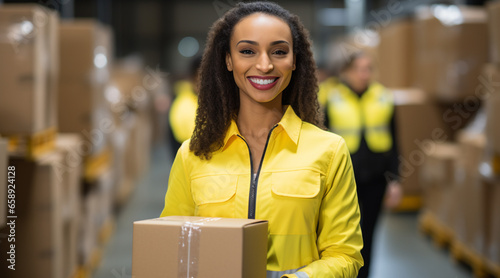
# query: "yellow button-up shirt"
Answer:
x=305 y=188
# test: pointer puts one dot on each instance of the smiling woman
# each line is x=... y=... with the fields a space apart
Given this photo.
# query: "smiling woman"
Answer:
x=258 y=151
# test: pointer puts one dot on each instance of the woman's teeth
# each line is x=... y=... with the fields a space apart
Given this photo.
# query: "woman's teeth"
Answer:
x=262 y=81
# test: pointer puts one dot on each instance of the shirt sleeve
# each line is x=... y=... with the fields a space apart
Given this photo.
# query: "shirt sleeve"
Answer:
x=178 y=199
x=394 y=152
x=339 y=233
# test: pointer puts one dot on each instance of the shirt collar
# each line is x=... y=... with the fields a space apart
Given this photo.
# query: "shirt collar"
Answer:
x=290 y=123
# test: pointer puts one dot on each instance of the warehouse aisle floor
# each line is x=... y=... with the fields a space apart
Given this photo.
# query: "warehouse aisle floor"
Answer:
x=401 y=251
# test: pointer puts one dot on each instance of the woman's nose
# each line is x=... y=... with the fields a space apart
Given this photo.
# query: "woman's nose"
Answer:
x=264 y=64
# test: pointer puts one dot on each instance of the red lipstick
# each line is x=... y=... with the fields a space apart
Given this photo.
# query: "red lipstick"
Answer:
x=263 y=82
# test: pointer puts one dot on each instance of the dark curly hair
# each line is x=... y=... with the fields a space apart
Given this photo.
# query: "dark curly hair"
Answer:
x=218 y=101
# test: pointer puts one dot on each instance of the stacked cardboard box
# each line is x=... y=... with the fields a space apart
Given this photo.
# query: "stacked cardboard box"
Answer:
x=70 y=171
x=491 y=167
x=493 y=225
x=97 y=212
x=395 y=53
x=29 y=69
x=438 y=185
x=38 y=227
x=494 y=30
x=3 y=181
x=470 y=220
x=133 y=90
x=451 y=47
x=86 y=54
x=417 y=120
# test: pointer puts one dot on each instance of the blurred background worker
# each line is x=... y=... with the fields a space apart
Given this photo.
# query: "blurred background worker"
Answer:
x=362 y=112
x=183 y=110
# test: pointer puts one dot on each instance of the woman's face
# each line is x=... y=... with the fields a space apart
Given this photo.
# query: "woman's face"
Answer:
x=359 y=74
x=261 y=57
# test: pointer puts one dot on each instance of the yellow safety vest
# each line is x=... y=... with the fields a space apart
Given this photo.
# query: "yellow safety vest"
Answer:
x=325 y=88
x=183 y=111
x=348 y=114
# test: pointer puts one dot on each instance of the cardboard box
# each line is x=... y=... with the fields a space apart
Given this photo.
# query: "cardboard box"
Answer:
x=493 y=216
x=493 y=122
x=494 y=30
x=470 y=206
x=396 y=54
x=38 y=229
x=437 y=179
x=3 y=181
x=86 y=55
x=219 y=247
x=121 y=149
x=417 y=120
x=29 y=68
x=92 y=41
x=450 y=51
x=88 y=230
x=70 y=171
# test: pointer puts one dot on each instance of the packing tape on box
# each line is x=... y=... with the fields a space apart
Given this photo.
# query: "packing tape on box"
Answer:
x=189 y=247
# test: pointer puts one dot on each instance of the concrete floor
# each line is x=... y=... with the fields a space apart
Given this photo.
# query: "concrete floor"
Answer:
x=401 y=251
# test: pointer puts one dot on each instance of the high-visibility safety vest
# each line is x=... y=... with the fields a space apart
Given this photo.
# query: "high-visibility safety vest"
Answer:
x=182 y=114
x=324 y=88
x=349 y=114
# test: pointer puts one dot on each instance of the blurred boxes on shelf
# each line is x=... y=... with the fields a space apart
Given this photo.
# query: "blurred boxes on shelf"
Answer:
x=29 y=68
x=97 y=213
x=395 y=54
x=417 y=120
x=3 y=181
x=493 y=221
x=437 y=179
x=471 y=206
x=494 y=30
x=39 y=222
x=70 y=171
x=130 y=96
x=451 y=47
x=86 y=51
x=491 y=90
x=208 y=247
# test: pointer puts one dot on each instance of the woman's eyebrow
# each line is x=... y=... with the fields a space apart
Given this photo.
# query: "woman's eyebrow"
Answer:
x=256 y=43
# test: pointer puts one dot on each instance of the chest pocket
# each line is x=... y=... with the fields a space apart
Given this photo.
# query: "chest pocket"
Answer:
x=296 y=201
x=213 y=189
x=297 y=184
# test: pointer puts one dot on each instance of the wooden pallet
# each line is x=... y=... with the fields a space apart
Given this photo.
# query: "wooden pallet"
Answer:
x=409 y=203
x=107 y=231
x=34 y=145
x=443 y=237
x=462 y=253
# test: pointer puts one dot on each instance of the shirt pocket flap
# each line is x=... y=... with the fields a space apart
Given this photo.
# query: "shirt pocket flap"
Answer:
x=298 y=183
x=213 y=189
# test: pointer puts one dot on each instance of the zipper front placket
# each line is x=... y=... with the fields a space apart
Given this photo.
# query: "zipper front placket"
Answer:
x=252 y=198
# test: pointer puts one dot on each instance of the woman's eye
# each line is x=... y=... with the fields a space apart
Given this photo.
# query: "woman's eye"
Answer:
x=246 y=51
x=280 y=52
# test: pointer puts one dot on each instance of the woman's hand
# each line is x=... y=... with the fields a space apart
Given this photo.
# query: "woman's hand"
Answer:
x=393 y=195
